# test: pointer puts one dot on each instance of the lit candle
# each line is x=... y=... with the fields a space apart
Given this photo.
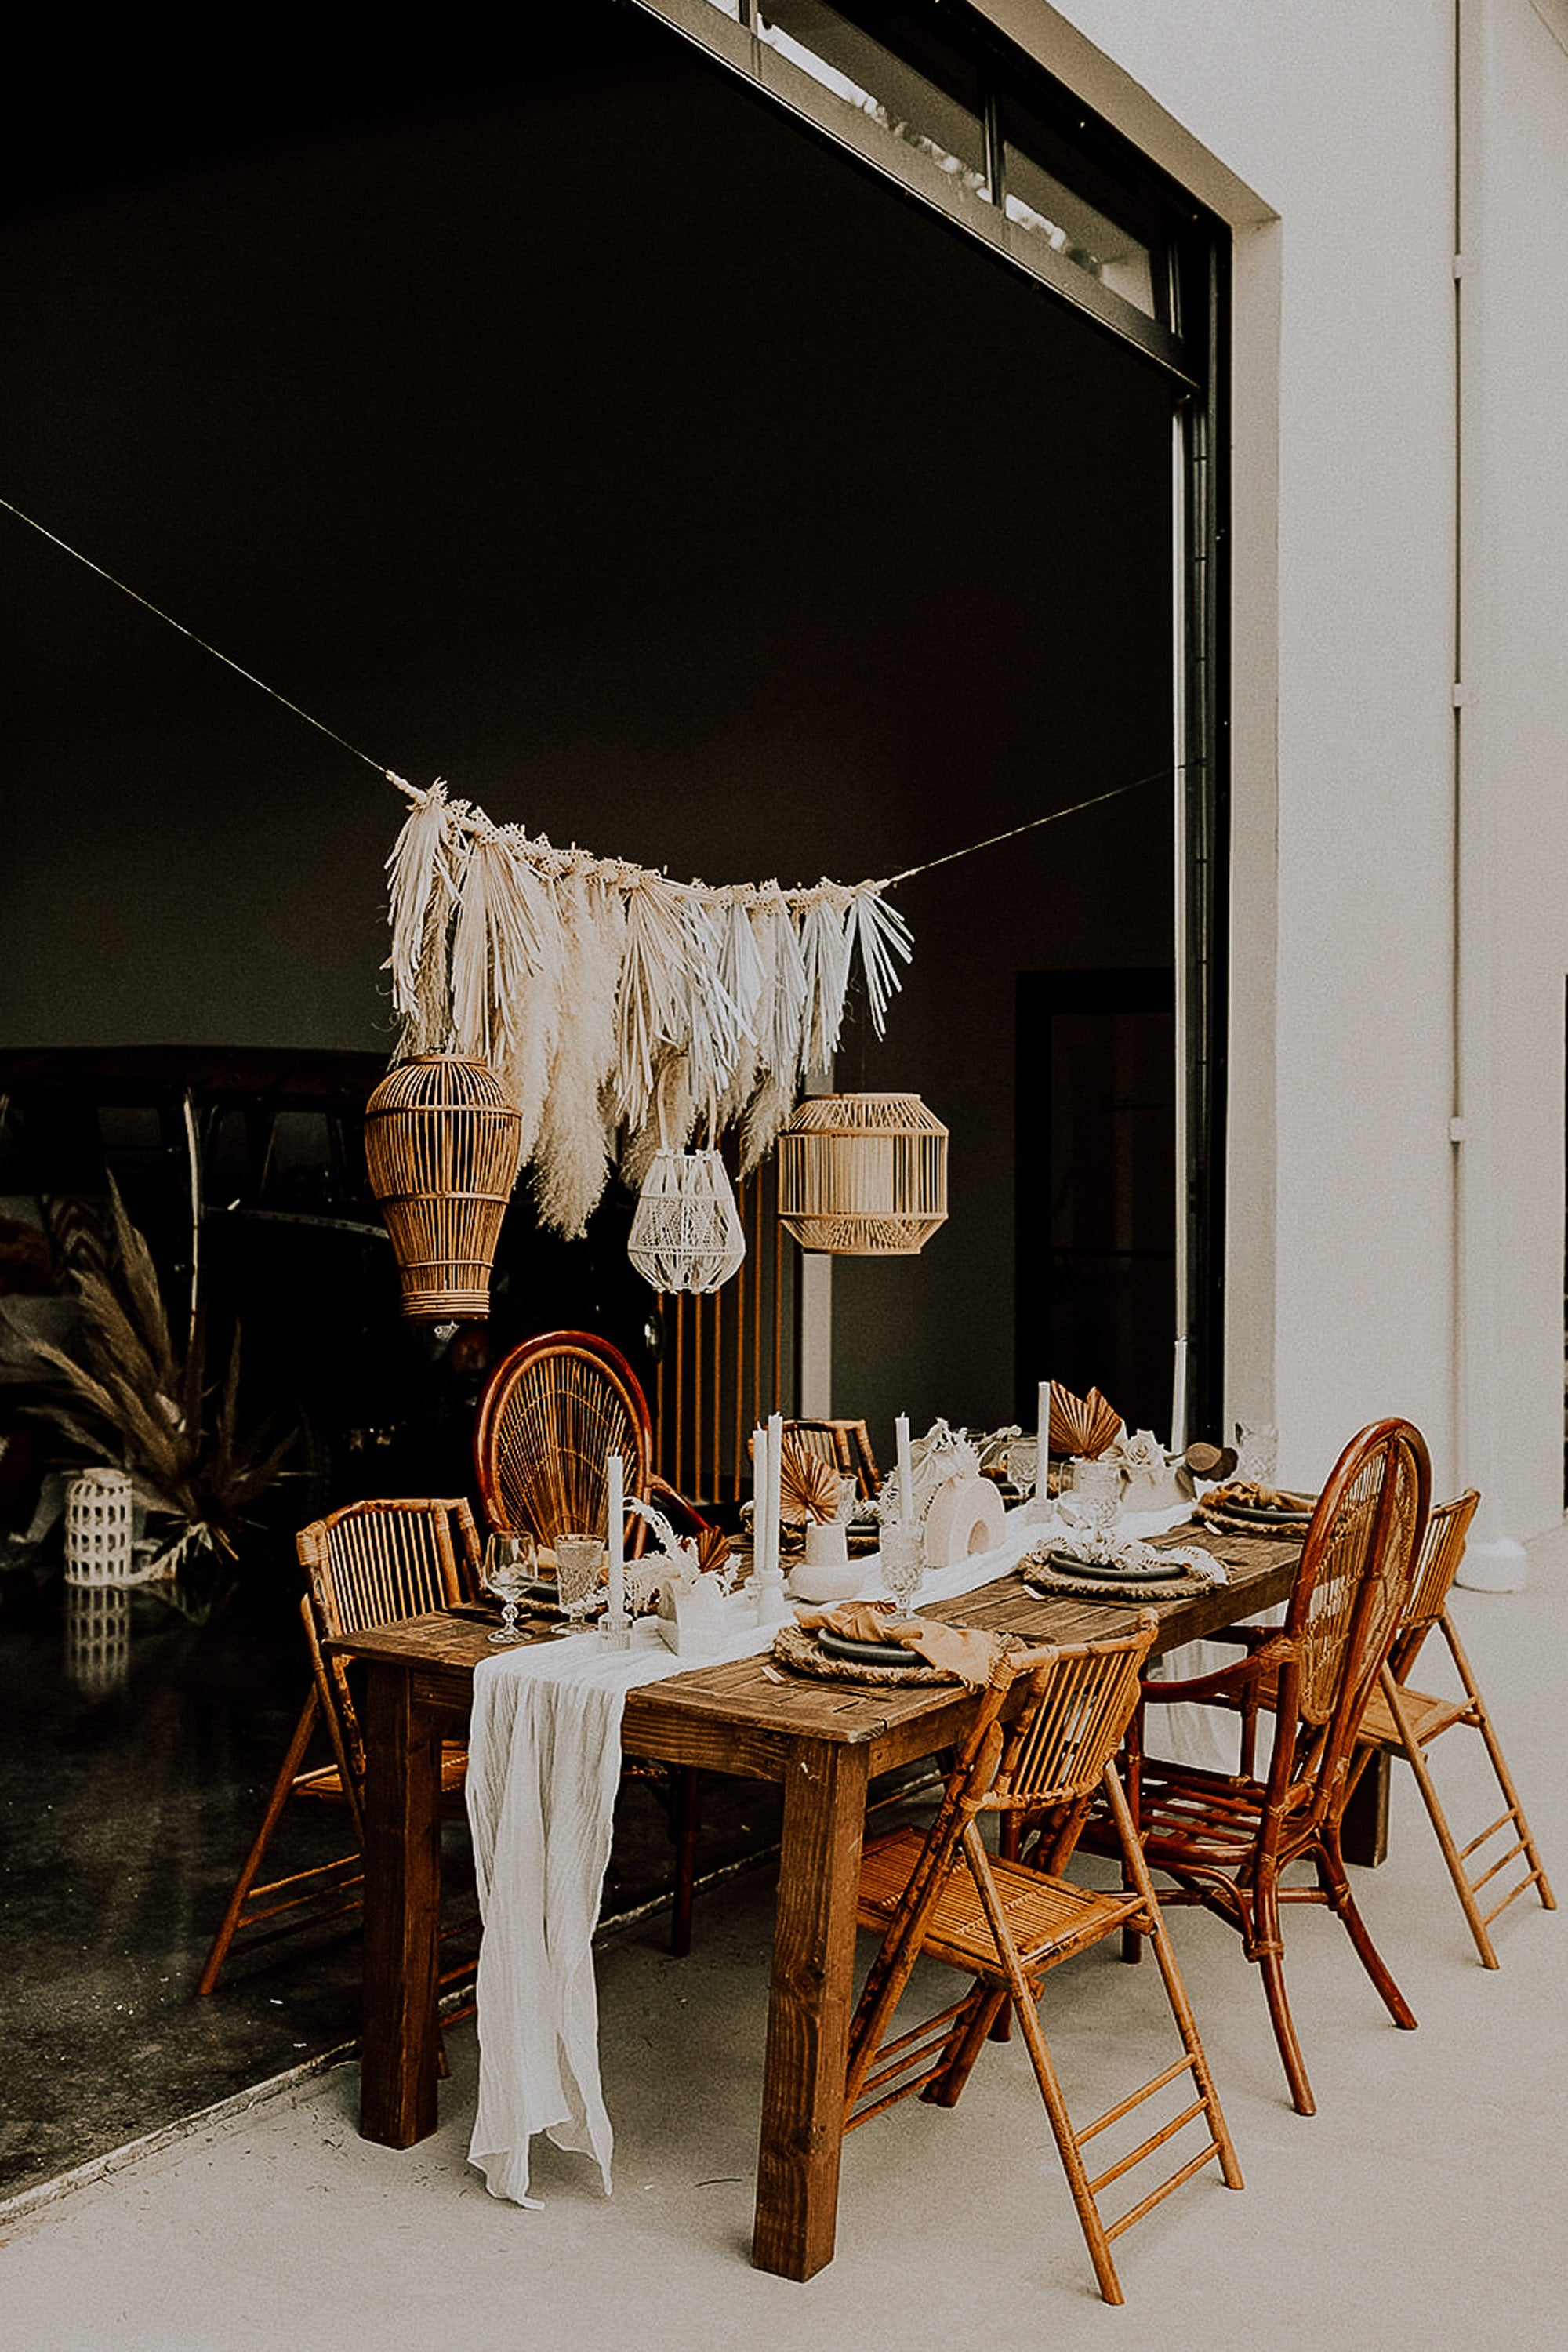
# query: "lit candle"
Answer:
x=775 y=1494
x=1179 y=1399
x=906 y=1470
x=615 y=1469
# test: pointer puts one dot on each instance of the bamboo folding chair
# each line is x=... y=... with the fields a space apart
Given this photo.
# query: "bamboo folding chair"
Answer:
x=366 y=1565
x=1401 y=1721
x=943 y=1895
x=551 y=1412
x=1226 y=1839
x=847 y=1444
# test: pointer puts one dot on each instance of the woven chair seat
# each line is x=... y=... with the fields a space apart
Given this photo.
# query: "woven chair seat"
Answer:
x=941 y=1894
x=1047 y=1919
x=1428 y=1716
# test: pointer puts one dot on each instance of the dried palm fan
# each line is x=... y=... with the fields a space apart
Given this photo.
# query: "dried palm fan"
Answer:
x=809 y=1486
x=1084 y=1426
x=712 y=1547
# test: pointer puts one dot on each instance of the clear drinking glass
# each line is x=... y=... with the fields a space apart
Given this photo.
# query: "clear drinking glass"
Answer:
x=507 y=1572
x=578 y=1559
x=1258 y=1450
x=1091 y=1496
x=902 y=1550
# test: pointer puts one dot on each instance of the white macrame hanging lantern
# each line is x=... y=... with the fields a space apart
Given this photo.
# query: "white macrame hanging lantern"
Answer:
x=685 y=1231
x=863 y=1175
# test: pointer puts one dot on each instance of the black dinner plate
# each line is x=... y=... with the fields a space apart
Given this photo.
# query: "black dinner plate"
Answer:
x=866 y=1653
x=1143 y=1577
x=1264 y=1515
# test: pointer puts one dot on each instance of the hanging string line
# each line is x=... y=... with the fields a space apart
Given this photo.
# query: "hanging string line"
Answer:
x=1031 y=825
x=1155 y=776
x=158 y=611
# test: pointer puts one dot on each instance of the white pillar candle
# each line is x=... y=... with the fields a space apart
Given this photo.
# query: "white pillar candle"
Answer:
x=615 y=1470
x=1179 y=1399
x=906 y=1470
x=775 y=1491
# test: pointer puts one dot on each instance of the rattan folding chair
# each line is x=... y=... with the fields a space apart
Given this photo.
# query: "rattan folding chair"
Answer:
x=1226 y=1839
x=943 y=1895
x=367 y=1565
x=847 y=1444
x=1401 y=1721
x=551 y=1412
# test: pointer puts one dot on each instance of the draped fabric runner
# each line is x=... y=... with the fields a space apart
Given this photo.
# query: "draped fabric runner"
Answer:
x=544 y=1760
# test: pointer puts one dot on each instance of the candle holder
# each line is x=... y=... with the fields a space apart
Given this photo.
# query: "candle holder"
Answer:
x=616 y=1631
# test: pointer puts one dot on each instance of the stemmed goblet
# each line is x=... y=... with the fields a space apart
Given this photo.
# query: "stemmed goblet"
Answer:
x=507 y=1571
x=902 y=1551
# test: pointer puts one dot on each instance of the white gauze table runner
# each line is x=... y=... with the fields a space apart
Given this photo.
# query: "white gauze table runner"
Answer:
x=544 y=1763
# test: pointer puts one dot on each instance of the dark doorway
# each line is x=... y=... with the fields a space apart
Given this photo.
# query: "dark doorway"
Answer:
x=1097 y=1209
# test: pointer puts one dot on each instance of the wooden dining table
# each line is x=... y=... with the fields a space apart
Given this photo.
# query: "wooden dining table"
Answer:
x=822 y=1742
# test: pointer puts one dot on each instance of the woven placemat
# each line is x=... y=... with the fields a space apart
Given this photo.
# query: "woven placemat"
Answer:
x=795 y=1648
x=1281 y=1531
x=1039 y=1574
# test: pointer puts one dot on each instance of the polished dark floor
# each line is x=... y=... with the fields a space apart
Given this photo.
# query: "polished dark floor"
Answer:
x=139 y=1733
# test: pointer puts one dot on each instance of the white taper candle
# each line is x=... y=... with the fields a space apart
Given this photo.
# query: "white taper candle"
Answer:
x=775 y=1491
x=1179 y=1399
x=615 y=1470
x=906 y=1470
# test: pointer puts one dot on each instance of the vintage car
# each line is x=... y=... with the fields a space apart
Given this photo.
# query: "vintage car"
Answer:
x=244 y=1169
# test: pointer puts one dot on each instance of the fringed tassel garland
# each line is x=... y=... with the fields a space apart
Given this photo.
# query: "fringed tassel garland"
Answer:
x=605 y=996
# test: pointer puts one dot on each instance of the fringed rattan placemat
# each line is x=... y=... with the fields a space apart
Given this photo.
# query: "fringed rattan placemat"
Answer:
x=1043 y=1578
x=795 y=1648
x=1275 y=1531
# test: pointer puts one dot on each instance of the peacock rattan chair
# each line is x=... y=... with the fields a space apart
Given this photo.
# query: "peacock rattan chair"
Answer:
x=1400 y=1721
x=943 y=1895
x=551 y=1412
x=1226 y=1839
x=366 y=1565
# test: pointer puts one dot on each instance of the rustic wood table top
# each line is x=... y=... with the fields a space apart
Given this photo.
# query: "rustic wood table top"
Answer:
x=822 y=1740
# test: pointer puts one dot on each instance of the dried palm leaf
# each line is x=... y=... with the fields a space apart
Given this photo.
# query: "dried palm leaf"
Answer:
x=881 y=934
x=713 y=1547
x=571 y=1152
x=651 y=1008
x=423 y=867
x=1084 y=1426
x=824 y=945
x=809 y=1486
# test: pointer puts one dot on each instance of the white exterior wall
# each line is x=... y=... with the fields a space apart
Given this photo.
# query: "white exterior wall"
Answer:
x=1373 y=1265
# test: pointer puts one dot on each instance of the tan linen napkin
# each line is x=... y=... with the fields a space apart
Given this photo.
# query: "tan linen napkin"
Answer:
x=973 y=1658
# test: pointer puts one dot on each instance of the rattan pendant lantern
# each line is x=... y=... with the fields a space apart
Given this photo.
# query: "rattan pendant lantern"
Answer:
x=441 y=1142
x=863 y=1175
x=685 y=1230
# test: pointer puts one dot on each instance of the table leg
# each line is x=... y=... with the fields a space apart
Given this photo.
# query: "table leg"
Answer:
x=399 y=2050
x=809 y=2008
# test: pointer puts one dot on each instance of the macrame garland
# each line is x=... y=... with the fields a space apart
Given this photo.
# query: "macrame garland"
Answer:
x=608 y=997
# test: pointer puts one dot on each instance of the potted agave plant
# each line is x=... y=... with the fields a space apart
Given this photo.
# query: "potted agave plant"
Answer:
x=130 y=1396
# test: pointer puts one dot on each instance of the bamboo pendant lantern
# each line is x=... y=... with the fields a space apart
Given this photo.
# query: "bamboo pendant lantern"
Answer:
x=441 y=1142
x=685 y=1230
x=863 y=1175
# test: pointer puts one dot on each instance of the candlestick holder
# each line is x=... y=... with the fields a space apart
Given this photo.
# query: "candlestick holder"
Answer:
x=615 y=1630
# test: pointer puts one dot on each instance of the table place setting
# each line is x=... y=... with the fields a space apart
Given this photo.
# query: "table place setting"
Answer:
x=544 y=1754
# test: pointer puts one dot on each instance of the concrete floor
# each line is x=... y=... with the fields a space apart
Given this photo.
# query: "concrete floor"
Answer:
x=1422 y=2206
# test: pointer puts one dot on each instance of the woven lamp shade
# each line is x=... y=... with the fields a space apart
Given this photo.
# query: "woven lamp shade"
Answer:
x=685 y=1231
x=863 y=1175
x=441 y=1143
